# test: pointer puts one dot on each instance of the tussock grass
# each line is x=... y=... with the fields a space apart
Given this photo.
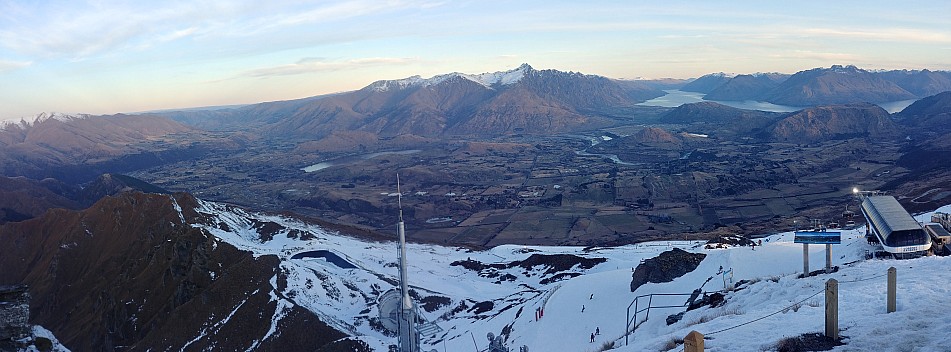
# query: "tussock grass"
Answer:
x=711 y=314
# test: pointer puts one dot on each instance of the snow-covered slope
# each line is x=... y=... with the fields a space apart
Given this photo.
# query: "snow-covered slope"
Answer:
x=24 y=123
x=471 y=293
x=488 y=79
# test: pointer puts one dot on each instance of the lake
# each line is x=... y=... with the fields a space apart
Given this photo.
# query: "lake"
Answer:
x=675 y=98
x=349 y=159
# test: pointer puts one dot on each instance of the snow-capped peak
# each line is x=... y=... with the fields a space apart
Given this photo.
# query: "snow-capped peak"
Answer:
x=43 y=116
x=845 y=69
x=504 y=78
x=722 y=74
x=385 y=85
x=488 y=79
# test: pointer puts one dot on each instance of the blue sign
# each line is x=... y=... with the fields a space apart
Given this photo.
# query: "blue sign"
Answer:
x=814 y=237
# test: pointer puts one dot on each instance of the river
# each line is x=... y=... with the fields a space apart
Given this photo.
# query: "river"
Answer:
x=594 y=141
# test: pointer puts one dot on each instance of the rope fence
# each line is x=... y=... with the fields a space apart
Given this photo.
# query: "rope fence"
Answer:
x=865 y=279
x=793 y=305
x=769 y=315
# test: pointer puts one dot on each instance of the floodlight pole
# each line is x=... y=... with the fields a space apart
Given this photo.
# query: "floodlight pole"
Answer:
x=805 y=260
x=828 y=258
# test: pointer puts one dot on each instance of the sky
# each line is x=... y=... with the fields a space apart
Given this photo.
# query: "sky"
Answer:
x=106 y=57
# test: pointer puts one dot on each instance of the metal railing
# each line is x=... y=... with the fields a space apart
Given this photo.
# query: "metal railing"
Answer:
x=650 y=305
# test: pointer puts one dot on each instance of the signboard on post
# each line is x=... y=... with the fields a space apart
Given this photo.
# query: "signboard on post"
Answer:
x=815 y=237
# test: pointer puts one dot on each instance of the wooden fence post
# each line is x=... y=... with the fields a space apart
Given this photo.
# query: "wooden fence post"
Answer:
x=693 y=342
x=892 y=288
x=832 y=309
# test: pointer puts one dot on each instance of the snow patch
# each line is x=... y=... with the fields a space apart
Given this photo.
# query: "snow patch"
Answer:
x=216 y=326
x=280 y=311
x=39 y=331
x=178 y=208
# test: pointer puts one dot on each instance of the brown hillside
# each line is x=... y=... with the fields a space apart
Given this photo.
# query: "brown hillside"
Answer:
x=833 y=122
x=77 y=149
x=128 y=273
x=655 y=137
x=22 y=198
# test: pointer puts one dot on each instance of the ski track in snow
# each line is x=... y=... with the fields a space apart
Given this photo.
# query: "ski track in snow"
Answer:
x=346 y=298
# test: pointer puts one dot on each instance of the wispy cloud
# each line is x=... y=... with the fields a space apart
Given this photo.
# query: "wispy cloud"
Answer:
x=7 y=65
x=177 y=34
x=80 y=29
x=818 y=56
x=907 y=35
x=312 y=65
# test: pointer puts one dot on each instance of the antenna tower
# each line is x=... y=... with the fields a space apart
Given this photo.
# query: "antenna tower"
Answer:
x=409 y=335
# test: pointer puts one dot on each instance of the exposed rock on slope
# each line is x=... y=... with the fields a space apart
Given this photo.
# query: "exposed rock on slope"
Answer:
x=556 y=266
x=130 y=273
x=833 y=122
x=666 y=267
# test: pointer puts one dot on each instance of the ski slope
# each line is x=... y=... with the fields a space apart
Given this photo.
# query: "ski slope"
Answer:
x=503 y=299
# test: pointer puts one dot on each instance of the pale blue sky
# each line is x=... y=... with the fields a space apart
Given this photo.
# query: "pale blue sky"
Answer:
x=109 y=56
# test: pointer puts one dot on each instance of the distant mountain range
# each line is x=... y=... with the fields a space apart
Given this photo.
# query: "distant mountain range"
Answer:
x=522 y=100
x=754 y=87
x=823 y=86
x=79 y=148
x=707 y=83
x=805 y=126
x=529 y=101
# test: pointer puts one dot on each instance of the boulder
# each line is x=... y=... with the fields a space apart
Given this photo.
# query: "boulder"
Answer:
x=666 y=267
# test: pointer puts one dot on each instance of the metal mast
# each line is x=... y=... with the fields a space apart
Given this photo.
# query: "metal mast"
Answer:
x=409 y=336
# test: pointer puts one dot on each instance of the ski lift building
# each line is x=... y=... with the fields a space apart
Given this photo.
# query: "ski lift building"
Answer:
x=894 y=228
